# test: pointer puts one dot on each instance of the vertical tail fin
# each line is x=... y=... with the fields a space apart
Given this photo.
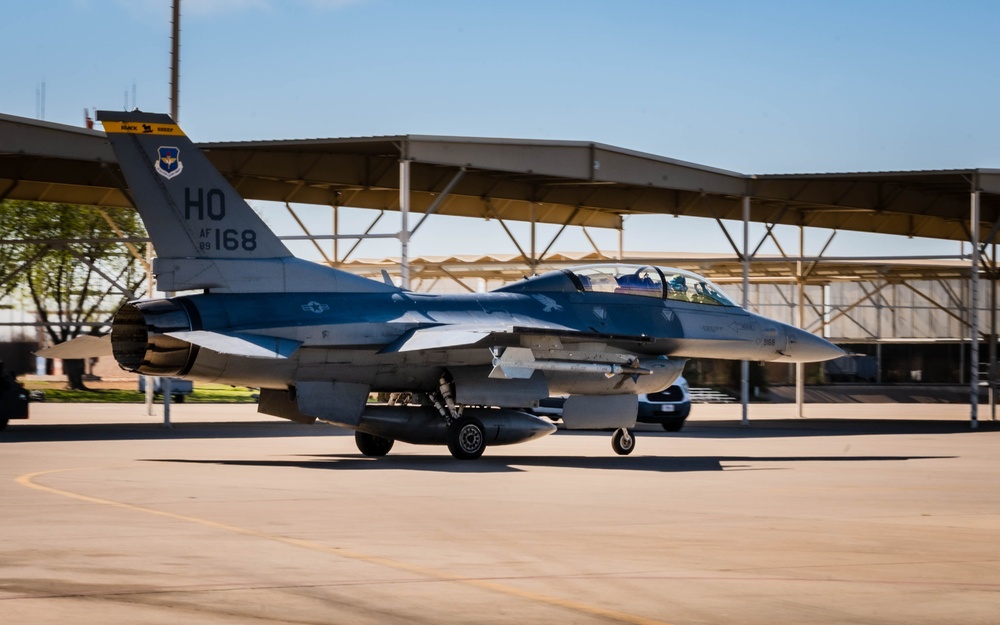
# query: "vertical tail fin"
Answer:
x=189 y=209
x=205 y=234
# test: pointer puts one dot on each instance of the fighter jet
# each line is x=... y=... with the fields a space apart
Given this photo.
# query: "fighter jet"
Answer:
x=319 y=342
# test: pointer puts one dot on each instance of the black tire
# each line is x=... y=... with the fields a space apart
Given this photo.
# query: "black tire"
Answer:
x=672 y=427
x=623 y=441
x=372 y=445
x=3 y=423
x=178 y=399
x=466 y=438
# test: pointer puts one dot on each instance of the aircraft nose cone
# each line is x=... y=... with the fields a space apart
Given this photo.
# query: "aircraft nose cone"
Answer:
x=807 y=347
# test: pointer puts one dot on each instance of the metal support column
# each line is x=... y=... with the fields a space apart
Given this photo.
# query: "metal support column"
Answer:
x=404 y=228
x=974 y=312
x=534 y=259
x=745 y=365
x=336 y=233
x=993 y=333
x=800 y=310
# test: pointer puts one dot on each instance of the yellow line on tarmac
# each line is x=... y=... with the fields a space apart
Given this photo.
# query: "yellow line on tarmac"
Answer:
x=27 y=480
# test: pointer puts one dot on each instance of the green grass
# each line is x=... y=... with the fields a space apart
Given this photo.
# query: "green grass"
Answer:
x=202 y=394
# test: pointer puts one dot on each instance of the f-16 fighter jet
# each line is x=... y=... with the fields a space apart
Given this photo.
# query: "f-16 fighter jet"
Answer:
x=318 y=341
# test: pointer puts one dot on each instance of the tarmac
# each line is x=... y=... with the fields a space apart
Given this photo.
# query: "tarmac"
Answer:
x=865 y=513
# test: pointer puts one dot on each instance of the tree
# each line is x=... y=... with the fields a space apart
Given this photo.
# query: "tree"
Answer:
x=12 y=257
x=70 y=265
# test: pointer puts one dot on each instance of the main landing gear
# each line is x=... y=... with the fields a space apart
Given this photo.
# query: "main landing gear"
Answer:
x=466 y=438
x=466 y=435
x=623 y=441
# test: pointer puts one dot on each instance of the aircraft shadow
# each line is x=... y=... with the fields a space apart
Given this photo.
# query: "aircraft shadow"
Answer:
x=34 y=431
x=503 y=464
x=29 y=432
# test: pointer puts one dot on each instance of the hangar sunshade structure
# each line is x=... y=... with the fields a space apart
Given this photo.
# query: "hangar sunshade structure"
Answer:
x=567 y=183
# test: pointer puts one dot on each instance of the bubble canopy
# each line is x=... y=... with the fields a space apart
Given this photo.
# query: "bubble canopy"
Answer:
x=648 y=281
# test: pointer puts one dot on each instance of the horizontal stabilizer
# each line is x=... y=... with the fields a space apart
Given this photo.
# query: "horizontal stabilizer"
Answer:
x=85 y=346
x=249 y=345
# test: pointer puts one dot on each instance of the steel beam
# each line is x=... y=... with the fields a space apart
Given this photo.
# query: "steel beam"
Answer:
x=436 y=204
x=118 y=231
x=25 y=265
x=555 y=237
x=112 y=281
x=364 y=236
x=314 y=240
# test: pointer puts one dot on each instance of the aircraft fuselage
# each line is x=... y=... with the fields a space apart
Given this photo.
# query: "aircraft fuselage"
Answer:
x=363 y=337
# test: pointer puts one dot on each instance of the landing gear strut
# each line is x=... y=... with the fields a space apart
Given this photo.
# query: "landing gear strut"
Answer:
x=466 y=435
x=623 y=441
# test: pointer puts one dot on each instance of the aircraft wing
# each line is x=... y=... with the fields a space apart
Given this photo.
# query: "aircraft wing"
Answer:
x=239 y=344
x=451 y=336
x=440 y=337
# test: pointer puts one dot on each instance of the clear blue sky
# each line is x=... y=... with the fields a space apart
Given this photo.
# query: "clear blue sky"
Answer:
x=756 y=87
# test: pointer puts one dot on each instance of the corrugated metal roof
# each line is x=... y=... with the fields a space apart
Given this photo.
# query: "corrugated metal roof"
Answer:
x=398 y=142
x=548 y=181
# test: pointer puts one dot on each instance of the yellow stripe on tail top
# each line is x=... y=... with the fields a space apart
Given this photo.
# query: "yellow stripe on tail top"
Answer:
x=143 y=128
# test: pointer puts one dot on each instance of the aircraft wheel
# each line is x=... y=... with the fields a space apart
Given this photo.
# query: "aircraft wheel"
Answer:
x=466 y=438
x=623 y=441
x=372 y=445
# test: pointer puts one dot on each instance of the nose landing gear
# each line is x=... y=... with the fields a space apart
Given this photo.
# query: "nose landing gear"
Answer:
x=623 y=441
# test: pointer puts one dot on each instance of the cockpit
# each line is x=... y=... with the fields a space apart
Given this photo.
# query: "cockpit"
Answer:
x=648 y=281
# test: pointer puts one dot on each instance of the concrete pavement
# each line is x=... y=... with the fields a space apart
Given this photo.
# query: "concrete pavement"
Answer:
x=862 y=514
